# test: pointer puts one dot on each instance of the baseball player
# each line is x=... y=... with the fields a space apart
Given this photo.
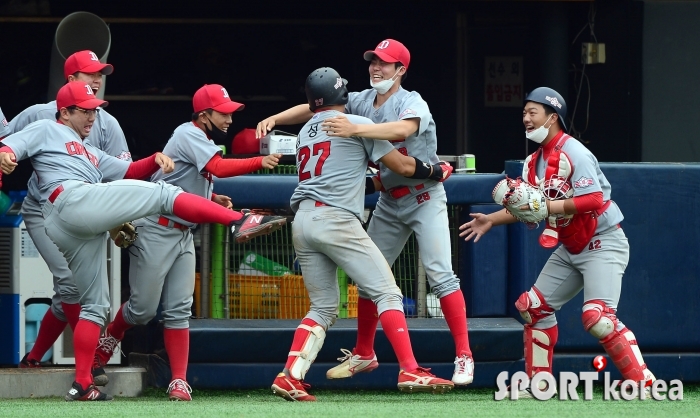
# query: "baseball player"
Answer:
x=329 y=202
x=594 y=251
x=162 y=266
x=106 y=135
x=78 y=208
x=407 y=205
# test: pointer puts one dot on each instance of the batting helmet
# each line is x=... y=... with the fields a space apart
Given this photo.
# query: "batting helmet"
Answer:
x=325 y=87
x=549 y=97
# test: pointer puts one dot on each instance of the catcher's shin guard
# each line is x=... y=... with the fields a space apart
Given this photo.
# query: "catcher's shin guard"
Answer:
x=532 y=306
x=621 y=345
x=539 y=348
x=309 y=351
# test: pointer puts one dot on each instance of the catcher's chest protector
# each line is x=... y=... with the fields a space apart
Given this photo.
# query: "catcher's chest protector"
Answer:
x=576 y=231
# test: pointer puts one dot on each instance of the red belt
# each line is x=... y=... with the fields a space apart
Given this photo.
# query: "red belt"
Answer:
x=319 y=204
x=166 y=222
x=401 y=191
x=57 y=191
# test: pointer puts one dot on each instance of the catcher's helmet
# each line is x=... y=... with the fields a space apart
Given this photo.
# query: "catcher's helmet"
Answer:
x=549 y=97
x=325 y=87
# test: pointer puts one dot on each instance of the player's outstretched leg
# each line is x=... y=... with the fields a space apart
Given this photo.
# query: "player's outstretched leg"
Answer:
x=617 y=340
x=308 y=340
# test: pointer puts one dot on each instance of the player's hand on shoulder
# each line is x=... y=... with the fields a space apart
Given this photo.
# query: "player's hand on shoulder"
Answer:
x=264 y=126
x=166 y=163
x=222 y=200
x=271 y=161
x=7 y=162
x=478 y=226
x=339 y=126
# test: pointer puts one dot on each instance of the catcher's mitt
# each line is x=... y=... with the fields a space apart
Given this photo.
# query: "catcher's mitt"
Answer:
x=124 y=235
x=522 y=200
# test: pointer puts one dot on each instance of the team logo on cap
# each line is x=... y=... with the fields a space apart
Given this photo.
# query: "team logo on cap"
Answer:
x=225 y=92
x=89 y=90
x=383 y=45
x=339 y=83
x=319 y=102
x=553 y=101
x=93 y=56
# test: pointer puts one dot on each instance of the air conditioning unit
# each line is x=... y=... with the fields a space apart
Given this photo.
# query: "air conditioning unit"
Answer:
x=25 y=280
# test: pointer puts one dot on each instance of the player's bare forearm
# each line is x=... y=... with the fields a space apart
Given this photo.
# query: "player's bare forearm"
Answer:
x=294 y=115
x=399 y=163
x=340 y=126
x=502 y=217
x=565 y=206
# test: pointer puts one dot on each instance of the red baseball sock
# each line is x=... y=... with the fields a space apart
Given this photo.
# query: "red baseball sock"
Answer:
x=85 y=340
x=51 y=327
x=300 y=336
x=72 y=313
x=119 y=325
x=197 y=209
x=367 y=320
x=396 y=330
x=177 y=345
x=455 y=310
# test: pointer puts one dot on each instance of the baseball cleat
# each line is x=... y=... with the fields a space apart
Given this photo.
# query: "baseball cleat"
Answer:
x=252 y=225
x=99 y=376
x=291 y=389
x=179 y=390
x=421 y=380
x=464 y=370
x=28 y=364
x=76 y=393
x=106 y=346
x=351 y=364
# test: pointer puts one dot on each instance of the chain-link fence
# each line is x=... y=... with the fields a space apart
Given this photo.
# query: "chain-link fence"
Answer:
x=265 y=280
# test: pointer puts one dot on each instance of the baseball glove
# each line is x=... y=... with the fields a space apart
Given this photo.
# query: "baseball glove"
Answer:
x=124 y=235
x=522 y=200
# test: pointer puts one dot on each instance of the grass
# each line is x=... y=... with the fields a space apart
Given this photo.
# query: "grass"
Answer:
x=347 y=404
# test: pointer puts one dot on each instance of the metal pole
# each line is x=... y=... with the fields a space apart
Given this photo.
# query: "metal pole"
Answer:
x=227 y=274
x=421 y=300
x=204 y=260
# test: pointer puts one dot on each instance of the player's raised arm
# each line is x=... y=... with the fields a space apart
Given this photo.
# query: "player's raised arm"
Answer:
x=297 y=114
x=340 y=126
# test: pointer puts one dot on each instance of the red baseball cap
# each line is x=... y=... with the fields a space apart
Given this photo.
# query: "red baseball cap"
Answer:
x=85 y=62
x=390 y=50
x=78 y=93
x=214 y=96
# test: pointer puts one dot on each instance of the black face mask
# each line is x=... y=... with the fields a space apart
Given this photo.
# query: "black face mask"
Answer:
x=216 y=134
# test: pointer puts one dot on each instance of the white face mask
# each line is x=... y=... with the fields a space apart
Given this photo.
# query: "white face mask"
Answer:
x=383 y=86
x=538 y=135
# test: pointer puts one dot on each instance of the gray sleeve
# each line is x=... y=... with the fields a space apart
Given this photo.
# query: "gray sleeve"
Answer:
x=376 y=149
x=31 y=115
x=349 y=106
x=115 y=141
x=584 y=178
x=4 y=125
x=112 y=168
x=196 y=149
x=27 y=142
x=415 y=107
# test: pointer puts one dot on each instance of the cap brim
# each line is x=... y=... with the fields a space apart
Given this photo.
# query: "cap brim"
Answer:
x=382 y=56
x=229 y=107
x=105 y=69
x=92 y=104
